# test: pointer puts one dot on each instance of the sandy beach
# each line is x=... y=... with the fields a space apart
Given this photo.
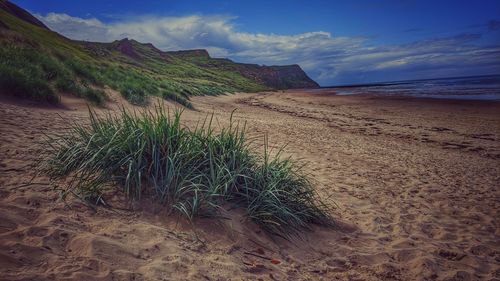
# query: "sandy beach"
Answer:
x=416 y=181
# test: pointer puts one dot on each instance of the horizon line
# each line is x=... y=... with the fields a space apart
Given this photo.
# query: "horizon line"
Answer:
x=396 y=82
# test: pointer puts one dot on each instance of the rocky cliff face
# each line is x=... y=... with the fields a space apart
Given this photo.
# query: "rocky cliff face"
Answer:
x=191 y=53
x=276 y=77
x=280 y=77
x=126 y=47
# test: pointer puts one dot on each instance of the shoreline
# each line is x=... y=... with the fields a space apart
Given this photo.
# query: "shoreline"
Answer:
x=416 y=183
x=445 y=98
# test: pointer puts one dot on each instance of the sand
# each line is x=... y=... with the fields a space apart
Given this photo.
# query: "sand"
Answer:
x=416 y=183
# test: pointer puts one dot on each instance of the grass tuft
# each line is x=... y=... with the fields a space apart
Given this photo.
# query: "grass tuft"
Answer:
x=191 y=172
x=182 y=100
x=19 y=84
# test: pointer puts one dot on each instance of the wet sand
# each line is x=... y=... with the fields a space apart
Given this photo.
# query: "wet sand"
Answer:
x=416 y=183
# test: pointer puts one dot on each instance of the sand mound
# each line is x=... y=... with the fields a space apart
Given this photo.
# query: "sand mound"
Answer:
x=416 y=183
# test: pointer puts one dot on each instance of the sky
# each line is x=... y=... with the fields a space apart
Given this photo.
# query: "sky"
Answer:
x=335 y=42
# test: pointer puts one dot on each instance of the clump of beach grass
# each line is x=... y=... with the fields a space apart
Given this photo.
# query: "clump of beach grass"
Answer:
x=194 y=172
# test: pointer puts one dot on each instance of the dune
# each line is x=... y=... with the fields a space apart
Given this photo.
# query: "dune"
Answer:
x=416 y=183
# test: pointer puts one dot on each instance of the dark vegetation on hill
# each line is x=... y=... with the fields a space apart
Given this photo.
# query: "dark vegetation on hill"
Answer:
x=20 y=13
x=37 y=63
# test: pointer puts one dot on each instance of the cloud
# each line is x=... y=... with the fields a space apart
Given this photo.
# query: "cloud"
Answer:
x=328 y=59
x=76 y=28
x=493 y=25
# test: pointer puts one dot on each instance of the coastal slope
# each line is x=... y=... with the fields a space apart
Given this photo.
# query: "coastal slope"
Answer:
x=40 y=64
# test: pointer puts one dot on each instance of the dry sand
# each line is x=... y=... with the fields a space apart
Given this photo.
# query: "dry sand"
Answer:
x=416 y=183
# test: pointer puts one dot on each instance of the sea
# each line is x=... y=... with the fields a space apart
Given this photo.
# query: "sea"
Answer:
x=485 y=88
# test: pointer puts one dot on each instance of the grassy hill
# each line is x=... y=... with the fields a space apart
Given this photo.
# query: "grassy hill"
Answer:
x=39 y=64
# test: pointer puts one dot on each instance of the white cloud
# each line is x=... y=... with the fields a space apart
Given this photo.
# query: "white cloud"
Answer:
x=76 y=28
x=326 y=58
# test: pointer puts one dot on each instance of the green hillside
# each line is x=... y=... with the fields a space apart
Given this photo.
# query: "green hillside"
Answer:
x=39 y=64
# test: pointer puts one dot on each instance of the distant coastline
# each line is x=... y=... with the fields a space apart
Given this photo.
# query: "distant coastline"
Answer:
x=401 y=82
x=481 y=88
